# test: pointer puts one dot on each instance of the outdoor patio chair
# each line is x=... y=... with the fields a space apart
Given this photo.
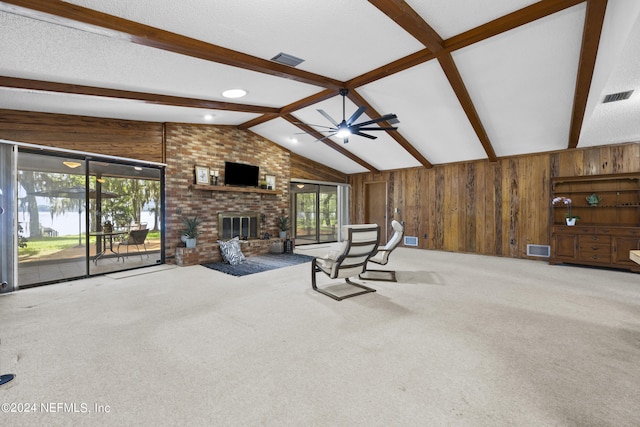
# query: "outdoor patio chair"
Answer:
x=382 y=256
x=360 y=244
x=134 y=238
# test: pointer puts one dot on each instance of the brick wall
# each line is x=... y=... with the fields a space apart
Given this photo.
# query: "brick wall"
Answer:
x=210 y=146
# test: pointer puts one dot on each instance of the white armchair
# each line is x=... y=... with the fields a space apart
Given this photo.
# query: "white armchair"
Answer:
x=382 y=256
x=360 y=244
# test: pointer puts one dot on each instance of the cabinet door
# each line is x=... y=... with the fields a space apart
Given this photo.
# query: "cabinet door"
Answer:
x=565 y=247
x=621 y=248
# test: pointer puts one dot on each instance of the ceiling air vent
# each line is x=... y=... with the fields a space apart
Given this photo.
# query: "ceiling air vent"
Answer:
x=620 y=96
x=286 y=59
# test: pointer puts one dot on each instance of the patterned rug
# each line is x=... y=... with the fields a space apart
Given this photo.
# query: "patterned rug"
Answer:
x=260 y=263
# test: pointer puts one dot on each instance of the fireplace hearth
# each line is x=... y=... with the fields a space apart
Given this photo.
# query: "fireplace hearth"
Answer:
x=245 y=225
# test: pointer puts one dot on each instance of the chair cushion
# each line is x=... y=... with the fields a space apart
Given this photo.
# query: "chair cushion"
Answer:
x=230 y=250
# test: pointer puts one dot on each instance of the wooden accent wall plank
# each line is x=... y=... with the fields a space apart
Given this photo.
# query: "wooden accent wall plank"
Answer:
x=470 y=212
x=439 y=209
x=122 y=138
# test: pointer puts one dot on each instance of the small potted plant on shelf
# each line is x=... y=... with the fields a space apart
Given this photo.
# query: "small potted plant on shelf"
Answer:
x=570 y=218
x=191 y=232
x=283 y=225
x=263 y=184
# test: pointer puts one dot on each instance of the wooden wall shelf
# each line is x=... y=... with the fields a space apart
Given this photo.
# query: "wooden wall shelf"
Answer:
x=222 y=188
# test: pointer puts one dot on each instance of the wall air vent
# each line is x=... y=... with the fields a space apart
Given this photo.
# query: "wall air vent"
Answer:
x=286 y=59
x=410 y=241
x=539 y=250
x=620 y=96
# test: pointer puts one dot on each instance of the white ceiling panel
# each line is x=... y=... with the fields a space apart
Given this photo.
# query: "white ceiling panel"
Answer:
x=617 y=122
x=431 y=117
x=94 y=106
x=284 y=133
x=522 y=83
x=452 y=17
x=39 y=50
x=328 y=35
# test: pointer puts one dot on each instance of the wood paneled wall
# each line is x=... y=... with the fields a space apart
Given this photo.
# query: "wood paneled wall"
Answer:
x=304 y=168
x=123 y=138
x=487 y=208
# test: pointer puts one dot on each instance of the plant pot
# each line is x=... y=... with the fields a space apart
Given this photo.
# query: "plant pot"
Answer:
x=571 y=221
x=191 y=243
x=283 y=234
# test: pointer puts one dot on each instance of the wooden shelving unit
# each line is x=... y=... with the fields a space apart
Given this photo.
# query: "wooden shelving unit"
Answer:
x=606 y=233
x=222 y=188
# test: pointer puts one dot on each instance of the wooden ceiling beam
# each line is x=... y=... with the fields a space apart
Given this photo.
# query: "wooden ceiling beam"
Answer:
x=401 y=64
x=402 y=14
x=84 y=19
x=149 y=98
x=508 y=22
x=287 y=109
x=371 y=112
x=594 y=21
x=413 y=23
x=457 y=84
x=327 y=141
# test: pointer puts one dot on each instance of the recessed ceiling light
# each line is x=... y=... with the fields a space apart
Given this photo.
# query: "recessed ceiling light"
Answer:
x=294 y=140
x=234 y=93
x=208 y=117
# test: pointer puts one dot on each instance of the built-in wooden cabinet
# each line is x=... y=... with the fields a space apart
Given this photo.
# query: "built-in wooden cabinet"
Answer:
x=606 y=232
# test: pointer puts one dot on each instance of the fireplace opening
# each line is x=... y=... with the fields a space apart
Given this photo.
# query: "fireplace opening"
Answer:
x=244 y=225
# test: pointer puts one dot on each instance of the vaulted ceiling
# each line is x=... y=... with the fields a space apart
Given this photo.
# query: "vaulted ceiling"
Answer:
x=467 y=79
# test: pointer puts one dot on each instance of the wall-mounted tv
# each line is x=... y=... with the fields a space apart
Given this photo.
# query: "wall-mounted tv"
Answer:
x=241 y=174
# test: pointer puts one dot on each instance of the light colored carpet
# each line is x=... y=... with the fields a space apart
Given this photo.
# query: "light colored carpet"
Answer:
x=460 y=340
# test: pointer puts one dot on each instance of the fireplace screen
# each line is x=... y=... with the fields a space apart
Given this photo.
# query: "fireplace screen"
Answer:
x=245 y=225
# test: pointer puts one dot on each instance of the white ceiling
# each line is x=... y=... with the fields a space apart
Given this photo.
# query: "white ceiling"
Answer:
x=521 y=82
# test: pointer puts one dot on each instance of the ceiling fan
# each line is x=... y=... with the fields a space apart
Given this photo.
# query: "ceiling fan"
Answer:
x=347 y=127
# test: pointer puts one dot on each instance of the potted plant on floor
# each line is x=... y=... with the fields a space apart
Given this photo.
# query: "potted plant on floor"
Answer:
x=283 y=225
x=191 y=230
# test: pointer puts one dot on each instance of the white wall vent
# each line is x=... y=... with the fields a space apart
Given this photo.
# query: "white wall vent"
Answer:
x=620 y=96
x=410 y=241
x=539 y=250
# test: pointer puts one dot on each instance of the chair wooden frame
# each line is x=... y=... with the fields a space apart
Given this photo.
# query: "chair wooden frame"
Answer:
x=361 y=243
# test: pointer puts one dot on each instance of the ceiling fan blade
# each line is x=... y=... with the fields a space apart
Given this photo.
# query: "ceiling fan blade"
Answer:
x=328 y=117
x=384 y=118
x=319 y=131
x=365 y=135
x=374 y=128
x=355 y=115
x=314 y=125
x=325 y=137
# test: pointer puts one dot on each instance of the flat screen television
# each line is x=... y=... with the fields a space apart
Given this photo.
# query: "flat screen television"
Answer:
x=240 y=174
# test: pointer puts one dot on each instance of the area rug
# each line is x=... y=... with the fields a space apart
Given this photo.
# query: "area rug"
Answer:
x=259 y=263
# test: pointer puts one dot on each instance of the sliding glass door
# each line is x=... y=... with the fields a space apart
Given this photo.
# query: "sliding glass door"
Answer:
x=315 y=213
x=124 y=216
x=81 y=217
x=7 y=218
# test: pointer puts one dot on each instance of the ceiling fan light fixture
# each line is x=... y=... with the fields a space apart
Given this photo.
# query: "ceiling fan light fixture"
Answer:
x=343 y=133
